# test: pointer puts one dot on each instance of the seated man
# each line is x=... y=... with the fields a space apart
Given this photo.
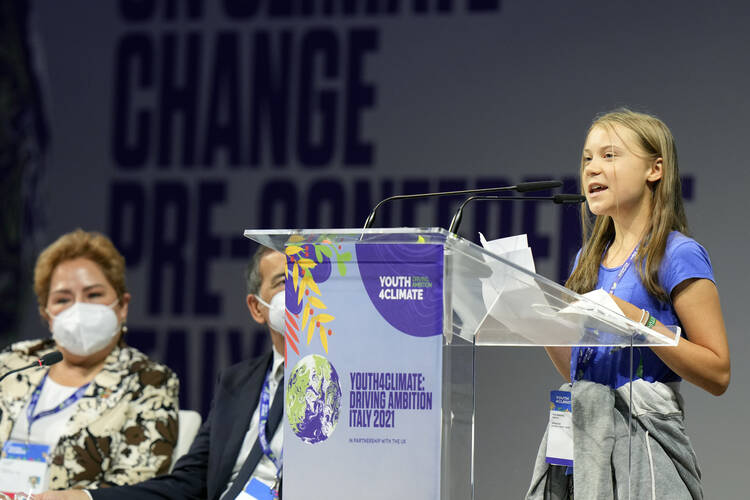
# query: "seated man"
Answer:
x=231 y=453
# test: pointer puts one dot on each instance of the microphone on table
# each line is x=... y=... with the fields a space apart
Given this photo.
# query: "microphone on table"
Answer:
x=565 y=198
x=522 y=187
x=48 y=359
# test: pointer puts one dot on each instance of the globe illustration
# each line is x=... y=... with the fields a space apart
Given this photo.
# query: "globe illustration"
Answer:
x=313 y=399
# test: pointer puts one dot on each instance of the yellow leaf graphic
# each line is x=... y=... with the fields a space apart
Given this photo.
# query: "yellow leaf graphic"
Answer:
x=295 y=277
x=305 y=315
x=301 y=290
x=316 y=302
x=324 y=339
x=293 y=250
x=324 y=318
x=306 y=263
x=311 y=283
x=310 y=330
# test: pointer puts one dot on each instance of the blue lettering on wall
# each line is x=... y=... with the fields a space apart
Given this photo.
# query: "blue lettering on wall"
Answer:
x=127 y=212
x=270 y=97
x=360 y=96
x=208 y=246
x=275 y=98
x=222 y=121
x=316 y=128
x=144 y=10
x=178 y=98
x=168 y=260
x=131 y=127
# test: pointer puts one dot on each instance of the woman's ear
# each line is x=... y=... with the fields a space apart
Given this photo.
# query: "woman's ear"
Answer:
x=47 y=318
x=124 y=302
x=656 y=171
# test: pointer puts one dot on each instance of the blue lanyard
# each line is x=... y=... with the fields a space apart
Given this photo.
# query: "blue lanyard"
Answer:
x=586 y=354
x=623 y=270
x=60 y=407
x=265 y=405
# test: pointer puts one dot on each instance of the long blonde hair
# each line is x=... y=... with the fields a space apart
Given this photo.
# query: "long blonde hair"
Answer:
x=667 y=211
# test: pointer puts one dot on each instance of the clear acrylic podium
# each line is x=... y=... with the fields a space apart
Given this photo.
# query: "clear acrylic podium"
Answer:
x=487 y=301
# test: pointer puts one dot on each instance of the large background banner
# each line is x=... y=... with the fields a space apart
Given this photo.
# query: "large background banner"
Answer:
x=173 y=126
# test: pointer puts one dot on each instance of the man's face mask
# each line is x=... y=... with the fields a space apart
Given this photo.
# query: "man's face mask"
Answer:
x=276 y=311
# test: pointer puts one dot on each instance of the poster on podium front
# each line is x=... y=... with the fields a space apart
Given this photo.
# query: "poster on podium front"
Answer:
x=363 y=370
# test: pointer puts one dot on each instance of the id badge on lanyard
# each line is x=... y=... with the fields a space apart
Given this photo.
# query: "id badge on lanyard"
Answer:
x=23 y=464
x=560 y=429
x=23 y=468
x=256 y=489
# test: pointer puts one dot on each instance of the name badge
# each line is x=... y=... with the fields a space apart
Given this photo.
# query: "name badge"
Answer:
x=23 y=467
x=560 y=429
x=257 y=490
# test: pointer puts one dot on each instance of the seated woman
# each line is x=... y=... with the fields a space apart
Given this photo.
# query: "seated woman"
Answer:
x=106 y=414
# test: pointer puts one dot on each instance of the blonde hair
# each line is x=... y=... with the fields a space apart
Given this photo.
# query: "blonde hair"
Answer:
x=89 y=245
x=667 y=212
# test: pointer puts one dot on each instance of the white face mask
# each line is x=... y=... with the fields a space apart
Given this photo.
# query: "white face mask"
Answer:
x=85 y=328
x=276 y=310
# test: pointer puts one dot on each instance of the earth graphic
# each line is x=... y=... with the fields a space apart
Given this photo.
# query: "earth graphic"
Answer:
x=313 y=399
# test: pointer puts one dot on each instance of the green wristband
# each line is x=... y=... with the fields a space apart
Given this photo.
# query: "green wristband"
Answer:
x=651 y=321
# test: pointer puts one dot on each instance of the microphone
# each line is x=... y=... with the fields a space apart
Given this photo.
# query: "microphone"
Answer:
x=565 y=198
x=523 y=187
x=568 y=198
x=48 y=359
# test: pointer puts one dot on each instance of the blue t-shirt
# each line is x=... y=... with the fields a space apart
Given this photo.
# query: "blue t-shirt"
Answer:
x=684 y=258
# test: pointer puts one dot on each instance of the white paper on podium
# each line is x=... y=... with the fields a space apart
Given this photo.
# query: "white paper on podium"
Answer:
x=580 y=312
x=608 y=310
x=505 y=245
x=503 y=294
x=521 y=309
x=492 y=279
x=514 y=249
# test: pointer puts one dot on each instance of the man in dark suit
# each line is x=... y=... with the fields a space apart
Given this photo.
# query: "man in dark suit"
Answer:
x=230 y=458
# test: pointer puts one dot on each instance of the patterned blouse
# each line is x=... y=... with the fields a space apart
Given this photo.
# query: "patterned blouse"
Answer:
x=124 y=427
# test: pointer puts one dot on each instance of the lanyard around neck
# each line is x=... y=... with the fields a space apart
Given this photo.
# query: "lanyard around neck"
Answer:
x=623 y=269
x=586 y=354
x=265 y=405
x=73 y=398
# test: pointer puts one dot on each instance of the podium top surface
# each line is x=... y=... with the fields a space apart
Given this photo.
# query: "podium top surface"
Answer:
x=279 y=238
x=488 y=299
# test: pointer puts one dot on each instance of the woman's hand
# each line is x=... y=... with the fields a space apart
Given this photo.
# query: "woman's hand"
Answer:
x=61 y=495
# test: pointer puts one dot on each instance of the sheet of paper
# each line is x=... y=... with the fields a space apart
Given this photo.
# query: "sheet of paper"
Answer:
x=503 y=245
x=603 y=304
x=514 y=249
x=508 y=292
